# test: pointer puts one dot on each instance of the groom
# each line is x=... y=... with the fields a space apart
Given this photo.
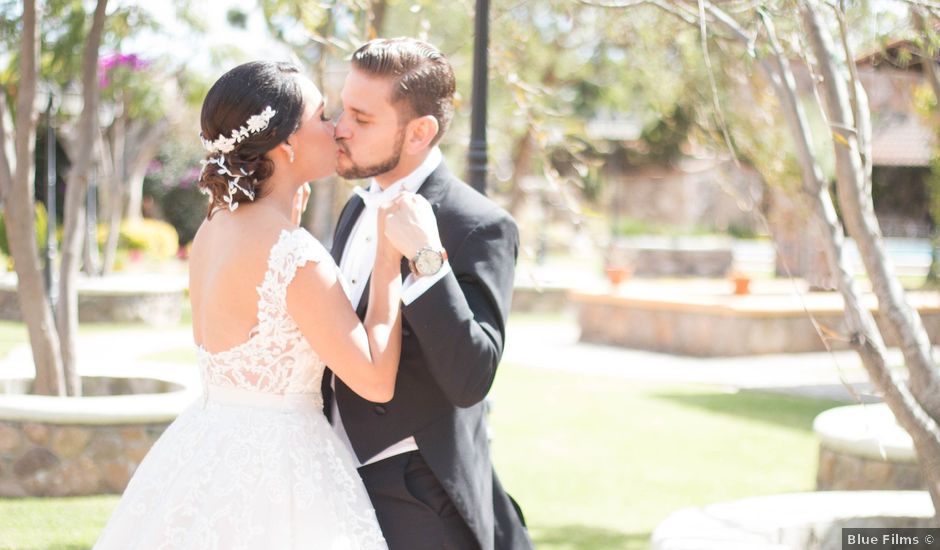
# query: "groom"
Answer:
x=424 y=455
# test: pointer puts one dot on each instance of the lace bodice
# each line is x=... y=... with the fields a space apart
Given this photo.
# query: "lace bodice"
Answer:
x=276 y=357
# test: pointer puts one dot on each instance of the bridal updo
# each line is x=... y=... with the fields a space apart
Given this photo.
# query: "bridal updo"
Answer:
x=248 y=112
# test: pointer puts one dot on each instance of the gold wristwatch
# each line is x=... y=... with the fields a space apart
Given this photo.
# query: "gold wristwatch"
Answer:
x=427 y=261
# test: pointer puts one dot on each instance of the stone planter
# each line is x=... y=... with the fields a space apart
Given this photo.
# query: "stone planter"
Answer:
x=541 y=298
x=150 y=299
x=861 y=447
x=63 y=446
x=661 y=316
x=795 y=521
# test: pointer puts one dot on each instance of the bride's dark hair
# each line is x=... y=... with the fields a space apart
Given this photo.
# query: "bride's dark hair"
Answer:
x=243 y=92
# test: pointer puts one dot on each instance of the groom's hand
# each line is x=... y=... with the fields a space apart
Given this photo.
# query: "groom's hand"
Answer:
x=411 y=225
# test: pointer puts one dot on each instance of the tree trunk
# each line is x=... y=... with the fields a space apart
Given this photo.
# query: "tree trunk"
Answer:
x=118 y=177
x=19 y=214
x=521 y=163
x=915 y=409
x=377 y=18
x=67 y=311
x=90 y=257
x=145 y=138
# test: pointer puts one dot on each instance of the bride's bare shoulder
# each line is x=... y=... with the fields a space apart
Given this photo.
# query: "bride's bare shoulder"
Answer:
x=247 y=239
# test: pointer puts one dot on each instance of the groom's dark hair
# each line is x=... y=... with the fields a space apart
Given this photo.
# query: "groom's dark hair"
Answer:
x=423 y=78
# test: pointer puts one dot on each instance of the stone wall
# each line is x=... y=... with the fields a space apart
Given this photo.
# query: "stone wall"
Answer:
x=842 y=471
x=791 y=521
x=40 y=459
x=539 y=299
x=861 y=448
x=68 y=446
x=116 y=299
x=719 y=326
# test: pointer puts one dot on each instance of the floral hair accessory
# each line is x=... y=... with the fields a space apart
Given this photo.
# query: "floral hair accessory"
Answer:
x=233 y=186
x=255 y=124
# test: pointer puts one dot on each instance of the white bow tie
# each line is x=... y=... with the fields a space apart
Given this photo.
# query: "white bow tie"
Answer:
x=374 y=199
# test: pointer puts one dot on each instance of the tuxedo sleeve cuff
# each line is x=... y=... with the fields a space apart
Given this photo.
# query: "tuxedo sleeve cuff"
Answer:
x=413 y=287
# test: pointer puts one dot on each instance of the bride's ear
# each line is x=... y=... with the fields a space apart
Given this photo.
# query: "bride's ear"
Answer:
x=421 y=132
x=287 y=150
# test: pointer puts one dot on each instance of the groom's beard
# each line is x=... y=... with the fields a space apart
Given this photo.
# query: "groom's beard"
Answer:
x=355 y=171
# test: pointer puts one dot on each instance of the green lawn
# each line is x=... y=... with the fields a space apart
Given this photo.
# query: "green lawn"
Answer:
x=595 y=461
x=14 y=333
x=11 y=335
x=53 y=523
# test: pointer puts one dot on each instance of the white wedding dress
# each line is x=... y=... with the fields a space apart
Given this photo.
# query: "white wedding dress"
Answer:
x=253 y=464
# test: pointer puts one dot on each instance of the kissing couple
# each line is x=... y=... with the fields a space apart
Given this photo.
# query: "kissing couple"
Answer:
x=343 y=404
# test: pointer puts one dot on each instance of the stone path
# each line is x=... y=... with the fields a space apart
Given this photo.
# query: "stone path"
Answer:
x=556 y=346
x=110 y=352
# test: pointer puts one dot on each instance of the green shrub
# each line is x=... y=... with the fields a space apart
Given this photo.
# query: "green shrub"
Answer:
x=156 y=238
x=184 y=206
x=740 y=231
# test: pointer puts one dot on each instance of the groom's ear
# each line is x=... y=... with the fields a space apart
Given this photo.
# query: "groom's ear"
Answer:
x=420 y=133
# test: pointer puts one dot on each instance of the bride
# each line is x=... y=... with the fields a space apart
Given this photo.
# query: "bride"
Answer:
x=254 y=463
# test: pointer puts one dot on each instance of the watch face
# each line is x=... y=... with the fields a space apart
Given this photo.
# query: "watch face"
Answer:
x=428 y=262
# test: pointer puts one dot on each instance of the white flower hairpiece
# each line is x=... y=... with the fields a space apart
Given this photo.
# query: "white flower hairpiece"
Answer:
x=255 y=124
x=233 y=185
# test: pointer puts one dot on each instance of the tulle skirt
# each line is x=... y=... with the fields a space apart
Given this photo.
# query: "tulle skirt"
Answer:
x=242 y=470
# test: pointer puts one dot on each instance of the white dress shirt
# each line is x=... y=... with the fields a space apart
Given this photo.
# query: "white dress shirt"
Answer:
x=356 y=265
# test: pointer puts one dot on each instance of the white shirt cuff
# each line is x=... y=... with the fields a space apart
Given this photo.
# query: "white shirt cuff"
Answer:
x=413 y=287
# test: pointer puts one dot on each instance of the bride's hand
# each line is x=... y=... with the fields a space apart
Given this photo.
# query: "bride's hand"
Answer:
x=385 y=250
x=300 y=203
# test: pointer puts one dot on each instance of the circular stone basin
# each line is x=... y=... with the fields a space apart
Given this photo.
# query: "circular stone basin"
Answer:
x=795 y=521
x=152 y=299
x=65 y=446
x=861 y=447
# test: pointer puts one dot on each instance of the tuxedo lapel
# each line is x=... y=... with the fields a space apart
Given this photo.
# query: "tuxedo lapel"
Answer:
x=435 y=186
x=345 y=225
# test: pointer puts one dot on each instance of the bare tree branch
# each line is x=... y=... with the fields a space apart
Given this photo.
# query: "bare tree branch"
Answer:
x=716 y=100
x=928 y=52
x=858 y=98
x=927 y=4
x=676 y=10
x=614 y=3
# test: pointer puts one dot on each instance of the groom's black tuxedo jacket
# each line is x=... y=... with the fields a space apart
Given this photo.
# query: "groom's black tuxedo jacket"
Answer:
x=452 y=341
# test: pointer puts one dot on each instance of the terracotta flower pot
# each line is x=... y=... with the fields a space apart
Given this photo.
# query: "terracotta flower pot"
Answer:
x=742 y=285
x=617 y=275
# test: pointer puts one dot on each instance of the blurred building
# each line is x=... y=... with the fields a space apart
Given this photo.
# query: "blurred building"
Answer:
x=904 y=141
